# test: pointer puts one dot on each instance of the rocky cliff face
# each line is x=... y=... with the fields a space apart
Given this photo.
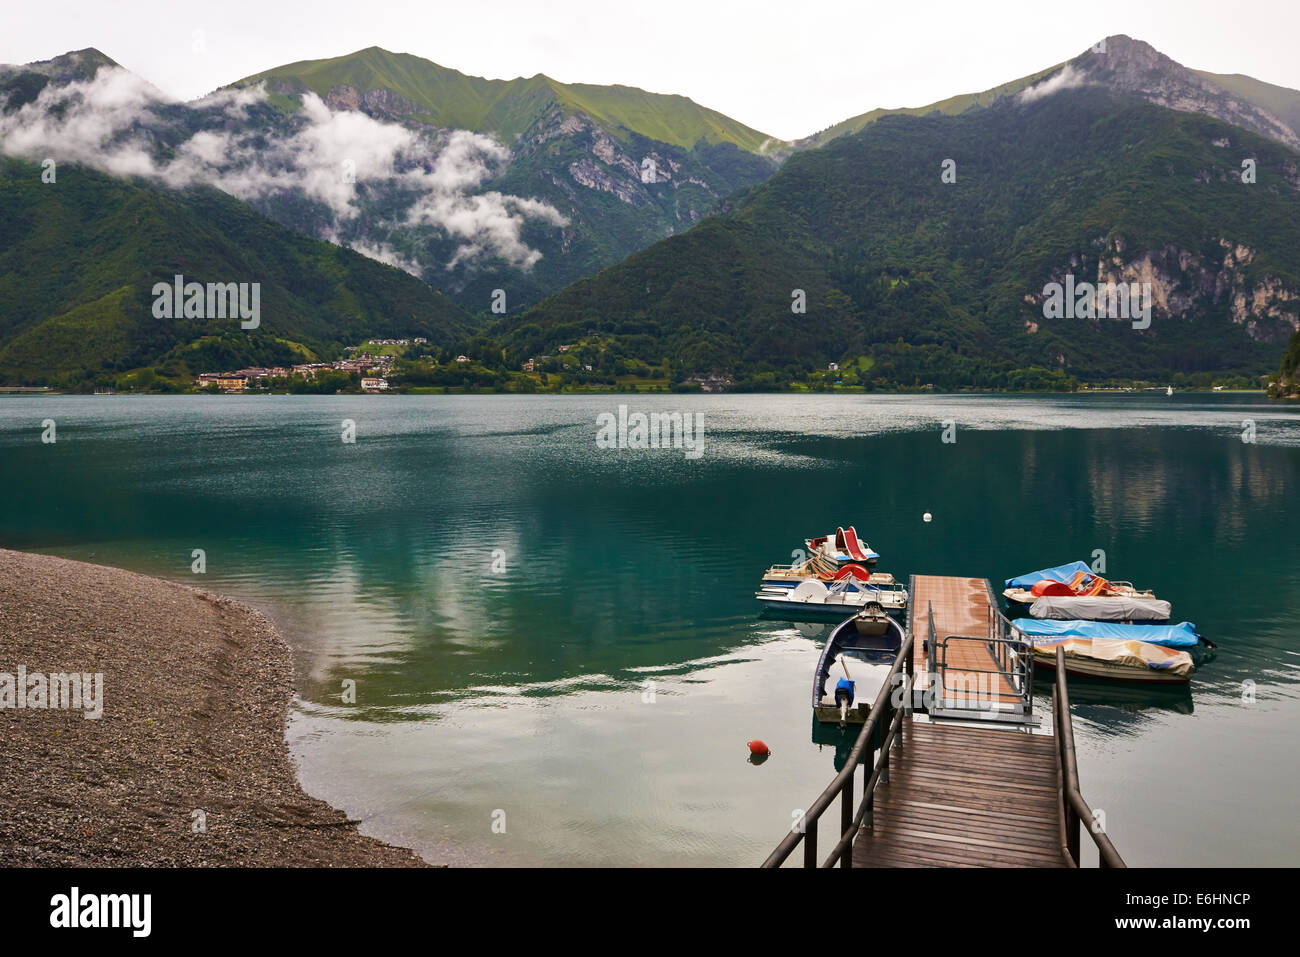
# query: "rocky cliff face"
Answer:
x=1133 y=67
x=380 y=103
x=640 y=178
x=1184 y=285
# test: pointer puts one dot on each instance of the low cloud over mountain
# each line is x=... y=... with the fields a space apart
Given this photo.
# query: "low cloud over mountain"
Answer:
x=346 y=165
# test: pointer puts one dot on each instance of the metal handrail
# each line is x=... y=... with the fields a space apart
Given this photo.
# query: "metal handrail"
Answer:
x=1004 y=627
x=1074 y=808
x=1019 y=674
x=873 y=757
x=1009 y=647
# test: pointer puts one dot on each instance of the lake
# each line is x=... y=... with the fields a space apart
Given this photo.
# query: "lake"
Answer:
x=556 y=650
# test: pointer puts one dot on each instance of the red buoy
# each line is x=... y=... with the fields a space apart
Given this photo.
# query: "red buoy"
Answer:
x=757 y=747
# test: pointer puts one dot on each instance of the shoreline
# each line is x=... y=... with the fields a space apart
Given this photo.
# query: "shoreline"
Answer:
x=611 y=392
x=188 y=765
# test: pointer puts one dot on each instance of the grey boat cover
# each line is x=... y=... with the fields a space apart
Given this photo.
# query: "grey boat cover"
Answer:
x=1117 y=608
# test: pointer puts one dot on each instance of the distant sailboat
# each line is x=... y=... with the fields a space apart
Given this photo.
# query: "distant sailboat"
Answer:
x=1169 y=390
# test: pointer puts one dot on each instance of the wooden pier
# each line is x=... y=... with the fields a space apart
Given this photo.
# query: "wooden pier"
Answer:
x=965 y=797
x=963 y=609
x=957 y=769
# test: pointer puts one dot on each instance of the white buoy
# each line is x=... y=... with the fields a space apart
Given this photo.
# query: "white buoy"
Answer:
x=926 y=517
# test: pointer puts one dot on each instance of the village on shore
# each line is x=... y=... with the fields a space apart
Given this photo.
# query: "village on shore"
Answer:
x=374 y=370
x=411 y=365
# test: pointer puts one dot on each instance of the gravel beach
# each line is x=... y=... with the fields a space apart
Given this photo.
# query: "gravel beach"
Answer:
x=188 y=765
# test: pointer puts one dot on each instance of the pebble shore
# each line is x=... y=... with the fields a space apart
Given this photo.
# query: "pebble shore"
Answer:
x=188 y=765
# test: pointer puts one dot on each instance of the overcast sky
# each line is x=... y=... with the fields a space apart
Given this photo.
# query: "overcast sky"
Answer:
x=788 y=69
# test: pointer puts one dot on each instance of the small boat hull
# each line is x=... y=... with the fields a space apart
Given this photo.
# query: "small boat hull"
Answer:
x=862 y=656
x=858 y=714
x=1117 y=659
x=835 y=605
x=1091 y=668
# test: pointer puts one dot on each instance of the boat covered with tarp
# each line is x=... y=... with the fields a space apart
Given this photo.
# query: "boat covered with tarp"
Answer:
x=1116 y=659
x=1060 y=573
x=1107 y=649
x=1118 y=608
x=1074 y=580
x=1181 y=635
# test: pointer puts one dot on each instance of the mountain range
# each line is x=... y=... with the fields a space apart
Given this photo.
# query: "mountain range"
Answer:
x=662 y=228
x=917 y=278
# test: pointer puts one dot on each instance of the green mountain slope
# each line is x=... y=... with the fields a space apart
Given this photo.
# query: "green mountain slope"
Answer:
x=1281 y=101
x=942 y=282
x=507 y=108
x=79 y=259
x=947 y=107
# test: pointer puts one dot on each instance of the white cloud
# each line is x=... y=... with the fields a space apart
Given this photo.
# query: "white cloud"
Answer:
x=1066 y=79
x=385 y=253
x=488 y=222
x=94 y=124
x=109 y=123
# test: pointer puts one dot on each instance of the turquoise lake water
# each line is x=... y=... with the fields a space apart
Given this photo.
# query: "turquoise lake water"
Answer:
x=564 y=637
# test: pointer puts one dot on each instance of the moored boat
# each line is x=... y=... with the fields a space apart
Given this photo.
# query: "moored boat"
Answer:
x=1117 y=660
x=1102 y=649
x=812 y=596
x=843 y=547
x=1116 y=608
x=1075 y=580
x=851 y=668
x=788 y=576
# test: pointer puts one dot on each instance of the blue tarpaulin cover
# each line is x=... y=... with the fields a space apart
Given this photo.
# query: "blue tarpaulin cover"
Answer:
x=1182 y=635
x=1061 y=573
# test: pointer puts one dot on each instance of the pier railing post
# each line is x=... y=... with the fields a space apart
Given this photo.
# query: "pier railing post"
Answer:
x=846 y=820
x=883 y=730
x=868 y=766
x=810 y=843
x=1076 y=808
x=1072 y=834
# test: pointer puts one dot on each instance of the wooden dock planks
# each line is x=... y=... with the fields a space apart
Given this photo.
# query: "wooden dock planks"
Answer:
x=966 y=797
x=961 y=607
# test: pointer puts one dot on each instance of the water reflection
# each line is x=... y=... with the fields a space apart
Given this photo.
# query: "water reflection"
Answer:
x=840 y=738
x=606 y=673
x=1119 y=707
